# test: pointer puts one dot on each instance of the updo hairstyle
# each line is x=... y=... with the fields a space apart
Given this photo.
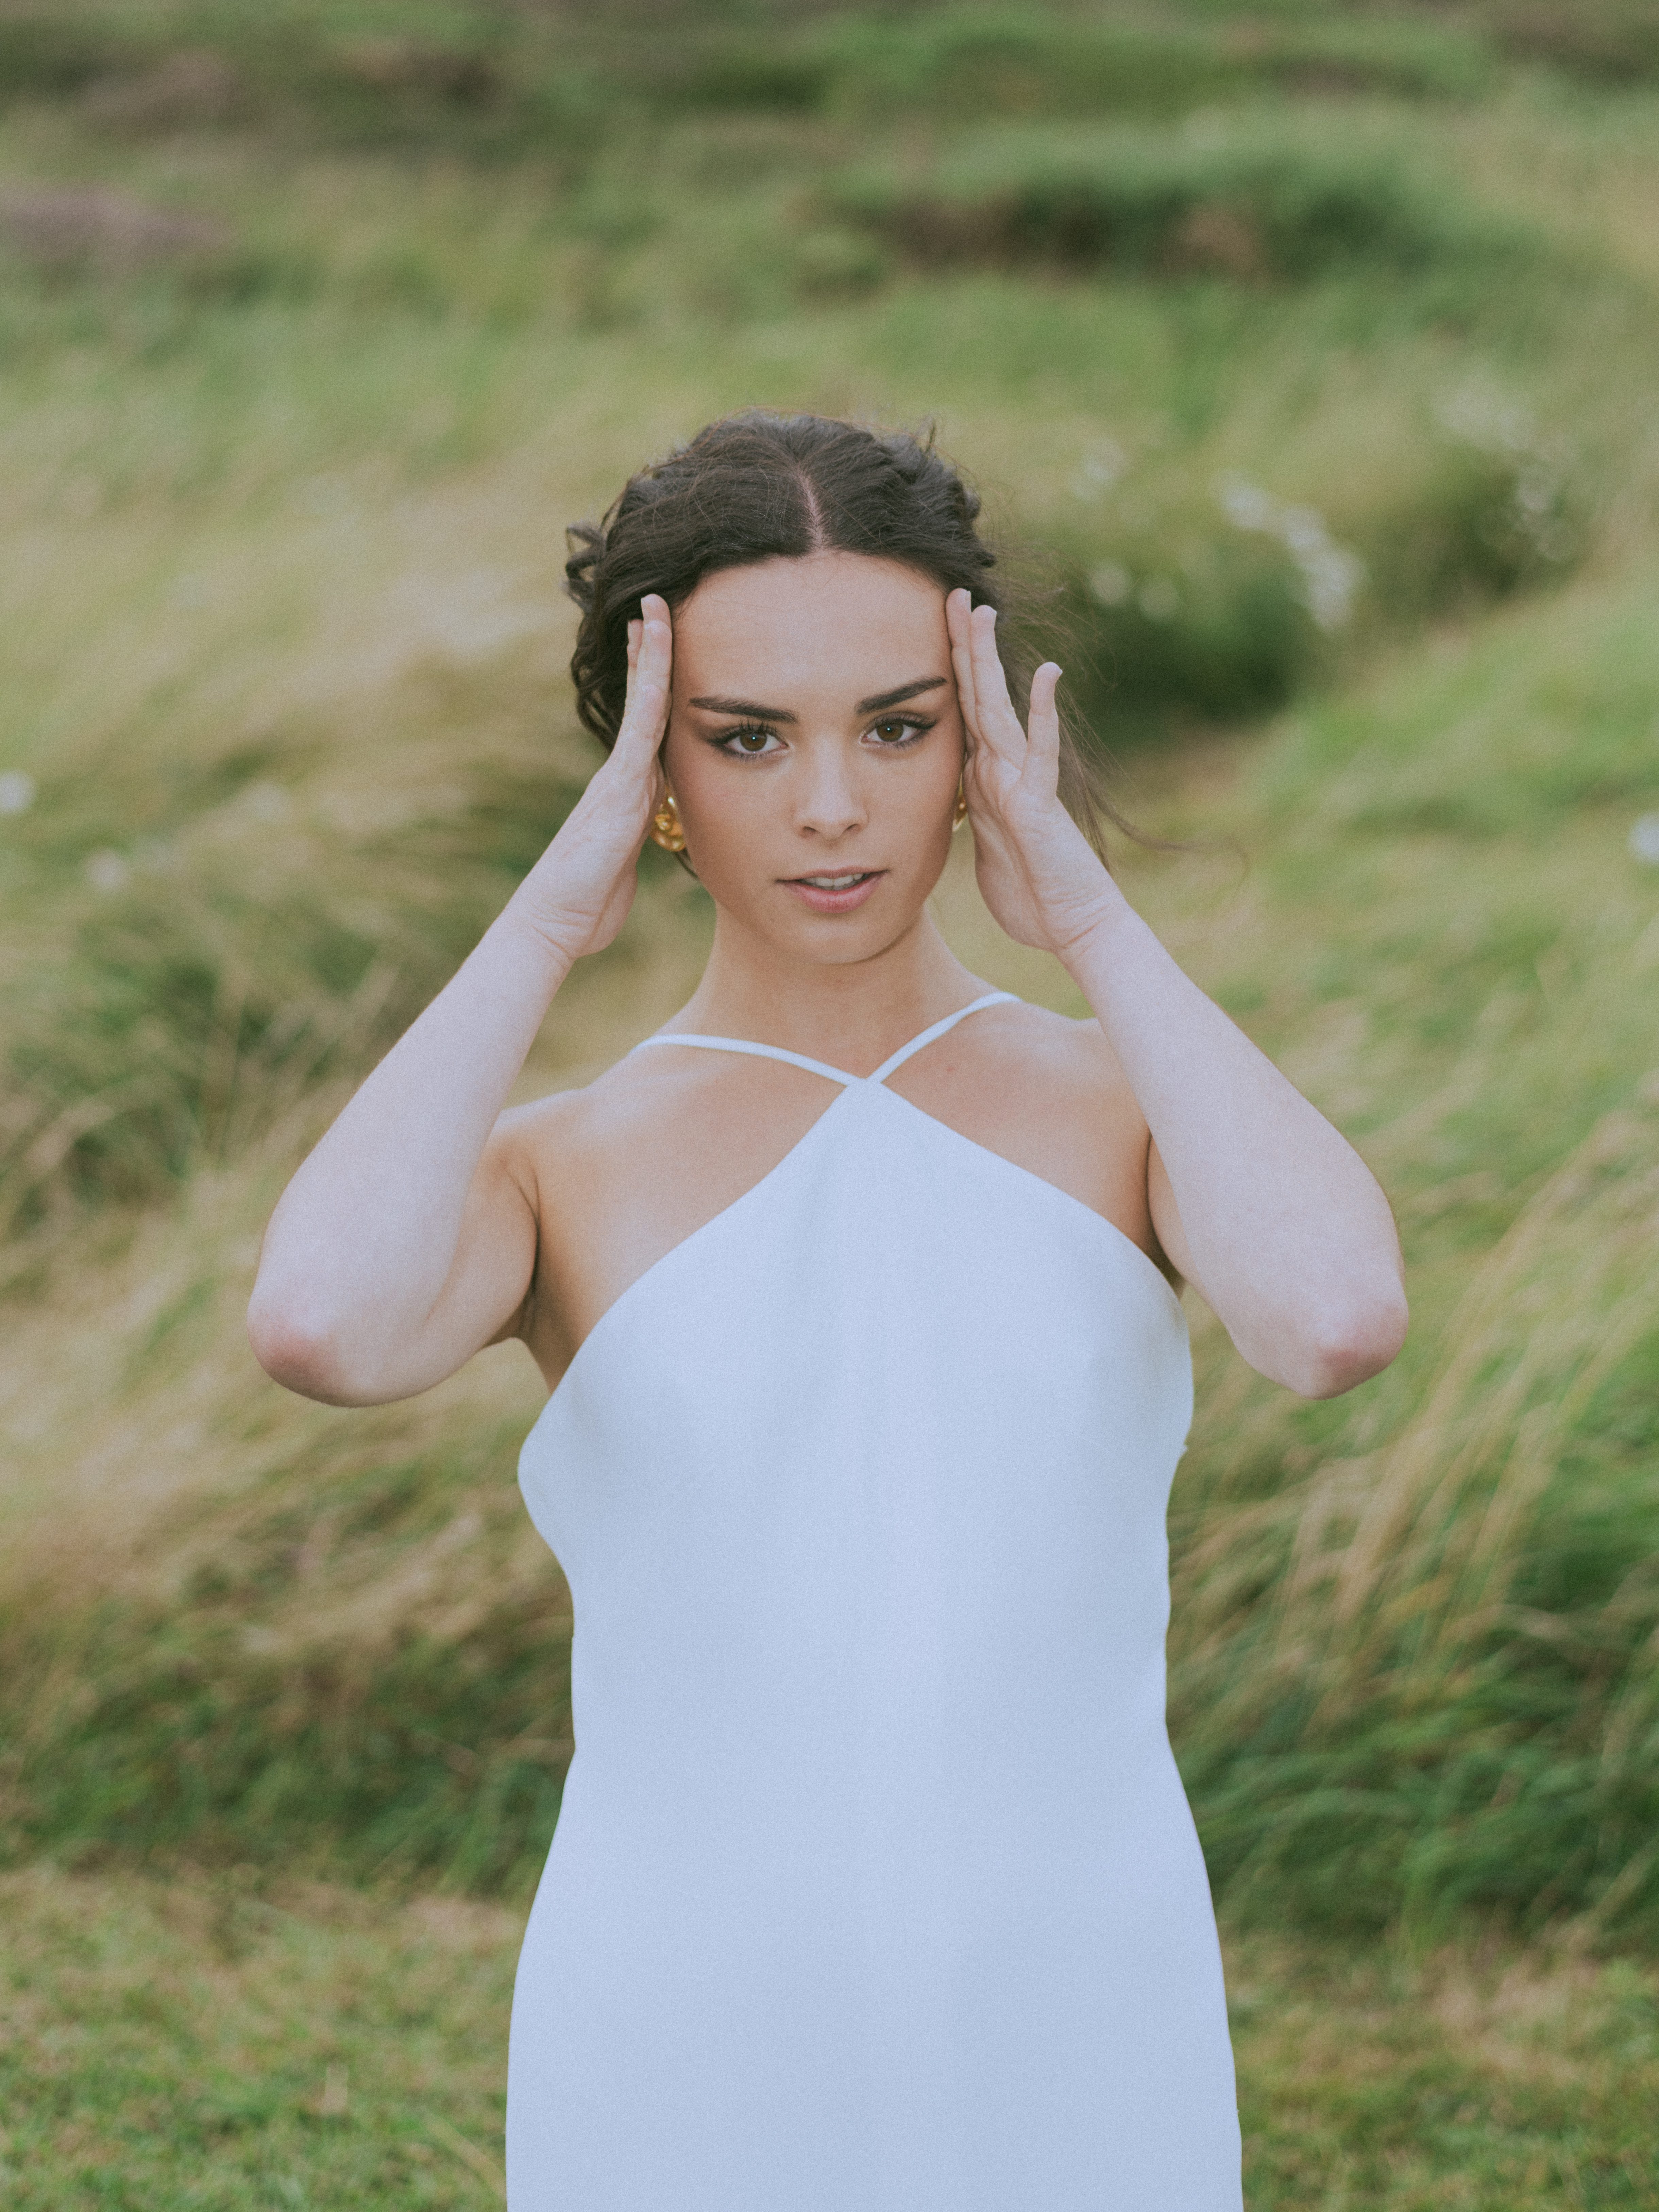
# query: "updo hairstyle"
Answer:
x=761 y=487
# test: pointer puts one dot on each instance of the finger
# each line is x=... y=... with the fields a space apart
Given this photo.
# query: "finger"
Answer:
x=642 y=632
x=1042 y=731
x=959 y=609
x=999 y=724
x=656 y=657
x=645 y=714
x=656 y=639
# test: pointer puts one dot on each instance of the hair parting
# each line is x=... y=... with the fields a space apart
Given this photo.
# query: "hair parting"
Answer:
x=757 y=486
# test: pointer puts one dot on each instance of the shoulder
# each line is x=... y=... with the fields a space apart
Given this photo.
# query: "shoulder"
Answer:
x=1042 y=1047
x=1047 y=1093
x=627 y=1104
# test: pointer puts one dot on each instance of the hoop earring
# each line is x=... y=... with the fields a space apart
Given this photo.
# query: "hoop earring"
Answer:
x=665 y=827
x=960 y=814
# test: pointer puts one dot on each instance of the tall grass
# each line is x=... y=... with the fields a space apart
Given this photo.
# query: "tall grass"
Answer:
x=198 y=979
x=280 y=651
x=1451 y=1695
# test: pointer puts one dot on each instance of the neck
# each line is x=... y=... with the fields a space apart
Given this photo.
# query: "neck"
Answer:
x=851 y=1014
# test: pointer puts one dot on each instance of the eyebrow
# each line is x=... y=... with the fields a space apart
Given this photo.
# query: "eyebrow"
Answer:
x=871 y=706
x=897 y=698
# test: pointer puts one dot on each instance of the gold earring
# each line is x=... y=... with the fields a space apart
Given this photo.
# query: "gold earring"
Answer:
x=960 y=815
x=665 y=827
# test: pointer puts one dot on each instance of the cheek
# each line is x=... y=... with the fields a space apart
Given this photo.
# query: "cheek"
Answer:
x=933 y=786
x=724 y=811
x=954 y=752
x=678 y=758
x=693 y=775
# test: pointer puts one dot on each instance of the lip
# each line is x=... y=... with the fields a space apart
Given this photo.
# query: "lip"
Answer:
x=823 y=902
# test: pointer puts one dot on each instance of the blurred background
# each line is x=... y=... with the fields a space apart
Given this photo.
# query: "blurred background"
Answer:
x=1305 y=357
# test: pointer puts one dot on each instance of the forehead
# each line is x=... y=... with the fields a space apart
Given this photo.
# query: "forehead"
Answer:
x=835 y=621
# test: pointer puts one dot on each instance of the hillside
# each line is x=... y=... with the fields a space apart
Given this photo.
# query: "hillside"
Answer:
x=1303 y=354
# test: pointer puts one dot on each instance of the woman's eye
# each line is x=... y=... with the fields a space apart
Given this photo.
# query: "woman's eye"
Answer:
x=750 y=744
x=898 y=730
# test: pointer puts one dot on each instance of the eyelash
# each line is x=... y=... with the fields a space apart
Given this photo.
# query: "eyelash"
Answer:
x=917 y=724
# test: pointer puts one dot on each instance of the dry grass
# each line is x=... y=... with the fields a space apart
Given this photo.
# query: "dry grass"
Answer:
x=281 y=647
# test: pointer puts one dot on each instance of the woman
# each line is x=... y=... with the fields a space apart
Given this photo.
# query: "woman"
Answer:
x=874 y=1885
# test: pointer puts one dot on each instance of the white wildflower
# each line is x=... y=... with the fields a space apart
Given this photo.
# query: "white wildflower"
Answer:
x=267 y=802
x=1331 y=574
x=1110 y=584
x=106 y=871
x=17 y=792
x=1505 y=432
x=1100 y=468
x=1246 y=505
x=1482 y=417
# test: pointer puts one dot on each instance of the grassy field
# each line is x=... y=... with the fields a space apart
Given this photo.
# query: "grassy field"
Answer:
x=221 y=2044
x=1303 y=354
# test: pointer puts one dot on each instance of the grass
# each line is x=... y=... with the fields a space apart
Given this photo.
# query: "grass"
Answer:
x=302 y=382
x=208 y=2045
x=1423 y=1709
x=212 y=2043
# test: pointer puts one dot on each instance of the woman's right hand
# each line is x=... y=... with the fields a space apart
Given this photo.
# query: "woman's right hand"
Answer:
x=577 y=895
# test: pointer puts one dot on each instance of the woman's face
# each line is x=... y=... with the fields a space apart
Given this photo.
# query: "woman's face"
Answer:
x=814 y=748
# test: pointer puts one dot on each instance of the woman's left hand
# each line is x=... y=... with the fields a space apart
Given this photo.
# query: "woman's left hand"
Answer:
x=1040 y=876
x=1255 y=1198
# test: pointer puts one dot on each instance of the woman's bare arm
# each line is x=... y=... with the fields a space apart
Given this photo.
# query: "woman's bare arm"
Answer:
x=406 y=1242
x=1255 y=1198
x=1265 y=1207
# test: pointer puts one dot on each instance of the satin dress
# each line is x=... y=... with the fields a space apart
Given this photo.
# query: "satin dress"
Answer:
x=874 y=1887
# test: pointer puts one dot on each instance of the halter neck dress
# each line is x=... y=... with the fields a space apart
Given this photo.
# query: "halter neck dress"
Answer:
x=874 y=1888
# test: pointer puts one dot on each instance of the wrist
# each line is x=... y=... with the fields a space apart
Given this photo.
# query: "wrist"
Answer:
x=1094 y=928
x=536 y=952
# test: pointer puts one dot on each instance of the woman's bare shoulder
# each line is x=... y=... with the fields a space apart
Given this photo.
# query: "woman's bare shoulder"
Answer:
x=1058 y=1048
x=1047 y=1093
x=621 y=1169
x=629 y=1104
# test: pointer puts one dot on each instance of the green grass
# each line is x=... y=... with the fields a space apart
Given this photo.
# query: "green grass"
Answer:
x=205 y=2046
x=1356 y=554
x=245 y=448
x=213 y=2043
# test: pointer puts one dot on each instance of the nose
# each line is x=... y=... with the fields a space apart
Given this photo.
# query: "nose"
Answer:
x=828 y=802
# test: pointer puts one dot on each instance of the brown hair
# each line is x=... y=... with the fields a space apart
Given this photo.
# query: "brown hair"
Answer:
x=759 y=487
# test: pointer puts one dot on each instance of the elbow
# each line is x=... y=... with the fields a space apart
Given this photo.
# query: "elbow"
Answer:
x=1349 y=1341
x=297 y=1348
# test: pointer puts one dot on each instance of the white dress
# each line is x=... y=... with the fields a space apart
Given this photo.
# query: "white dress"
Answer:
x=875 y=1888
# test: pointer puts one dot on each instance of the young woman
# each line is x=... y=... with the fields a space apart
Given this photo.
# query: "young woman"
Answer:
x=874 y=1889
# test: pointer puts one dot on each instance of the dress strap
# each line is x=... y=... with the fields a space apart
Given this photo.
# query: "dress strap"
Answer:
x=891 y=1066
x=821 y=1067
x=759 y=1051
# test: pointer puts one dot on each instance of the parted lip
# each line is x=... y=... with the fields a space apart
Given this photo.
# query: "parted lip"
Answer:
x=819 y=876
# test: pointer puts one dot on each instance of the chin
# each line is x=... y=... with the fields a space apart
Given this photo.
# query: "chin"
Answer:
x=838 y=940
